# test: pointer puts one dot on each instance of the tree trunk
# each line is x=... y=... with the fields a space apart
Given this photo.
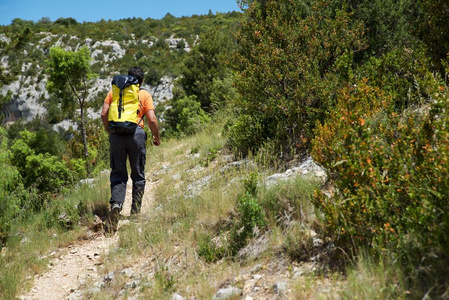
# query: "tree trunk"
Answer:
x=84 y=136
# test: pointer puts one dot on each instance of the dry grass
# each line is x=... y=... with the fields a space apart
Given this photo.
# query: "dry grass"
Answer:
x=26 y=252
x=196 y=196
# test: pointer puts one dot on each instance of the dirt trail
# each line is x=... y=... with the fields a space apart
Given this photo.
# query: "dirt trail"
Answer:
x=72 y=266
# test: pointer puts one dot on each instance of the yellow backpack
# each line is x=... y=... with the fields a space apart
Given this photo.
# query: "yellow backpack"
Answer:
x=125 y=106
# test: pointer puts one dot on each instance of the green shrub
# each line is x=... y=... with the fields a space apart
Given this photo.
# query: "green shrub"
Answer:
x=98 y=148
x=186 y=116
x=223 y=93
x=20 y=151
x=10 y=187
x=246 y=134
x=208 y=250
x=45 y=171
x=285 y=71
x=78 y=167
x=247 y=223
x=388 y=23
x=250 y=183
x=205 y=64
x=251 y=216
x=403 y=74
x=389 y=171
x=164 y=279
x=431 y=27
x=211 y=155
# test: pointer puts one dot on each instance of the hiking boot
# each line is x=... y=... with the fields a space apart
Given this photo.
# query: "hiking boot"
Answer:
x=137 y=195
x=112 y=223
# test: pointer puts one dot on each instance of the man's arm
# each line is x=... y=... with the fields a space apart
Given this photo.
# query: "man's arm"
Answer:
x=154 y=126
x=104 y=115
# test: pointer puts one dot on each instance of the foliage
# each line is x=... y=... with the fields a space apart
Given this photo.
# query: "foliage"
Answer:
x=402 y=73
x=164 y=280
x=186 y=115
x=249 y=222
x=47 y=172
x=206 y=63
x=286 y=59
x=223 y=93
x=208 y=250
x=11 y=187
x=37 y=166
x=389 y=173
x=66 y=21
x=204 y=84
x=252 y=219
x=388 y=23
x=250 y=183
x=431 y=27
x=70 y=75
x=98 y=145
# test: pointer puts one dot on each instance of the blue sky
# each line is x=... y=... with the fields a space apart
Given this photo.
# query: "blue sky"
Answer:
x=95 y=10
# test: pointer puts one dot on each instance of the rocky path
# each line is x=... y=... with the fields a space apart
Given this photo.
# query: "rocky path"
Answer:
x=71 y=267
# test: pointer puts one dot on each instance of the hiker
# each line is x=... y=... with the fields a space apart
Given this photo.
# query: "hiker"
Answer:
x=127 y=138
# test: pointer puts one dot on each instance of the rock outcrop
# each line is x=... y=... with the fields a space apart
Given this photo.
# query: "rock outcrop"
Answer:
x=28 y=93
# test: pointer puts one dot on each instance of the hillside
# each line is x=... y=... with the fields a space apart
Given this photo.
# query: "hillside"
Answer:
x=159 y=46
x=29 y=95
x=189 y=195
x=355 y=92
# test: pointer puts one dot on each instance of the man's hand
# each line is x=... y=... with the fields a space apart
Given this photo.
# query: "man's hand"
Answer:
x=156 y=142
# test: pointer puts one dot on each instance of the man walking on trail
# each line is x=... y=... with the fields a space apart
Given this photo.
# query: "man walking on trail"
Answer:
x=128 y=145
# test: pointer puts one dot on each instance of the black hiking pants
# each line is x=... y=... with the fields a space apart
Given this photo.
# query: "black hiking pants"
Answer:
x=122 y=147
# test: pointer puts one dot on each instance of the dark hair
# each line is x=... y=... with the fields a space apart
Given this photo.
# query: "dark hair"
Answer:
x=136 y=72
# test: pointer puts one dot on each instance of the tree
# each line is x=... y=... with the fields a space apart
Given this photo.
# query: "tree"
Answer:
x=388 y=23
x=66 y=22
x=431 y=27
x=206 y=63
x=186 y=115
x=290 y=57
x=70 y=76
x=18 y=41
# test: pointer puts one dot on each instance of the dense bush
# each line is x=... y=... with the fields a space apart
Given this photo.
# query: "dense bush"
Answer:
x=431 y=27
x=388 y=23
x=206 y=63
x=286 y=63
x=389 y=171
x=402 y=73
x=9 y=185
x=186 y=116
x=98 y=146
x=38 y=166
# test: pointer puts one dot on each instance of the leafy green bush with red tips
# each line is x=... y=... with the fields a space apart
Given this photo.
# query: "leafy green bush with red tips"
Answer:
x=389 y=170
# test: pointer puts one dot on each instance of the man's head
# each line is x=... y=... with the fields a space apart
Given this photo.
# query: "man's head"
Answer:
x=136 y=72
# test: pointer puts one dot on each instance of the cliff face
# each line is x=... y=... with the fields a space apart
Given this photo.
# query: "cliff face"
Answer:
x=26 y=95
